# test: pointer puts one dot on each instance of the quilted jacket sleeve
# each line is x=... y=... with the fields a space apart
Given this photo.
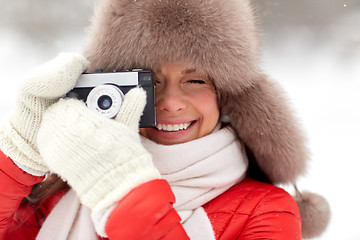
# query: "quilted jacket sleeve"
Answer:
x=15 y=184
x=146 y=213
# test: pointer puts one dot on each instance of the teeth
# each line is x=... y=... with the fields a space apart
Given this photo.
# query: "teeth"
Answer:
x=172 y=127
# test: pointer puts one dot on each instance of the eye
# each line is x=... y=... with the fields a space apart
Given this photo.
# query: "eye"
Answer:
x=196 y=81
x=156 y=80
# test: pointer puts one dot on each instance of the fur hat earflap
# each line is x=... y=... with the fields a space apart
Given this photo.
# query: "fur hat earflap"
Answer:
x=314 y=211
x=266 y=124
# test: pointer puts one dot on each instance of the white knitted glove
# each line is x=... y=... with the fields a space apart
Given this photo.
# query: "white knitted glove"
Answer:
x=101 y=159
x=41 y=88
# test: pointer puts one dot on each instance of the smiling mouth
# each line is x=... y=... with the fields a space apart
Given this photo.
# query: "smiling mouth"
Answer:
x=173 y=127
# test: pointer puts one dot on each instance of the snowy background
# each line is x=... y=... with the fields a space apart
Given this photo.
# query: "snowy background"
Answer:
x=312 y=48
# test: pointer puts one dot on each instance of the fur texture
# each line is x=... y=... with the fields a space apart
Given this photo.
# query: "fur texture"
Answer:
x=220 y=39
x=315 y=213
x=216 y=38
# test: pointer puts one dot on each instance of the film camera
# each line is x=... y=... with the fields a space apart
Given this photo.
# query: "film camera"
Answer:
x=104 y=92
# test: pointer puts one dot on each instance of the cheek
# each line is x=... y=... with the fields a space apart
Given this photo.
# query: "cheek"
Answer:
x=207 y=106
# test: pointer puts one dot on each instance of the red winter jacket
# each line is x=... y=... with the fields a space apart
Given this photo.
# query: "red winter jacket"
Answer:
x=248 y=210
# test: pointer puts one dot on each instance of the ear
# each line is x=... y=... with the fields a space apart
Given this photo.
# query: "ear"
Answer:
x=265 y=123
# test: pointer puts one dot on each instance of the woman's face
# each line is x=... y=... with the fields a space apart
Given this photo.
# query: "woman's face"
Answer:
x=186 y=105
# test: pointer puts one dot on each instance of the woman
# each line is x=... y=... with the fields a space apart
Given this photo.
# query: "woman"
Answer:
x=221 y=124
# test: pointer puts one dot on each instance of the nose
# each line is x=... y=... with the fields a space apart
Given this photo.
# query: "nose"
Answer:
x=170 y=99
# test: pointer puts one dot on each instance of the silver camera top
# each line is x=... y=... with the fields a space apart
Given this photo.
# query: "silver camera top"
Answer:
x=93 y=80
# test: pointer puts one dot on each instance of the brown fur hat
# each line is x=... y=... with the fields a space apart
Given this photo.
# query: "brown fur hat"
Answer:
x=219 y=38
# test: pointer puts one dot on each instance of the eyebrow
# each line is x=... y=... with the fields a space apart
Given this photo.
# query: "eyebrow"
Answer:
x=190 y=70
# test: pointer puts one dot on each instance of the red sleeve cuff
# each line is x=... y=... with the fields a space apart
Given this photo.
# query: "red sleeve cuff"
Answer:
x=146 y=213
x=8 y=167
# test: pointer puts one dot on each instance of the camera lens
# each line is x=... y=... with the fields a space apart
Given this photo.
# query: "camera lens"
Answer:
x=104 y=102
x=105 y=99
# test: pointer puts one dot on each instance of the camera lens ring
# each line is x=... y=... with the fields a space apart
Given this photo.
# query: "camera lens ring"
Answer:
x=101 y=93
x=104 y=102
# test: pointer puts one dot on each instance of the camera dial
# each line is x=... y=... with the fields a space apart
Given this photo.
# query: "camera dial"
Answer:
x=105 y=99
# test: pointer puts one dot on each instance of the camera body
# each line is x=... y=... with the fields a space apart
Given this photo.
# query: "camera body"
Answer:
x=104 y=92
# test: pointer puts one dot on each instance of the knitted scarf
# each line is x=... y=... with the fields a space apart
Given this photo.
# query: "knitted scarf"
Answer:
x=197 y=171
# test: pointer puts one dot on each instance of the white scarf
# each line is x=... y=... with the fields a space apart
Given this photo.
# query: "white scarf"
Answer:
x=197 y=171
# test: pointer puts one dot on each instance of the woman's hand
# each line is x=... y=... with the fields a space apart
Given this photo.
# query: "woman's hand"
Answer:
x=40 y=89
x=101 y=159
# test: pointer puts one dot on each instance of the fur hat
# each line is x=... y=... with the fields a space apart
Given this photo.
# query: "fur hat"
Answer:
x=220 y=39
